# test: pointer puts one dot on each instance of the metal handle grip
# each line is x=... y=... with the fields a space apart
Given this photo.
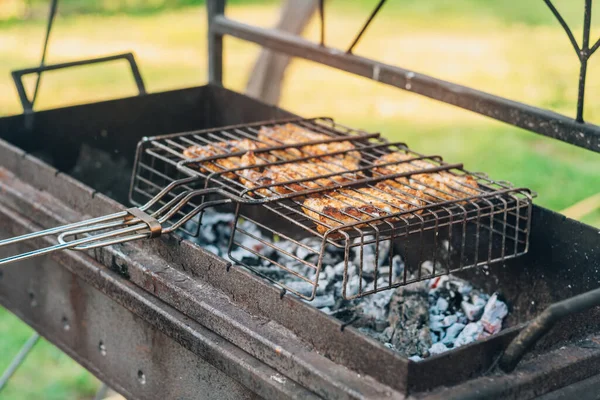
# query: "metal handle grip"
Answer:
x=125 y=226
x=120 y=226
x=543 y=323
x=27 y=104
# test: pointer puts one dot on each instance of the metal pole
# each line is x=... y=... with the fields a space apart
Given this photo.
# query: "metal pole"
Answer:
x=18 y=360
x=215 y=43
x=101 y=393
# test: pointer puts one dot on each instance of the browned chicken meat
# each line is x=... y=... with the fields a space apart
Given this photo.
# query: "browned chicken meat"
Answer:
x=436 y=186
x=226 y=163
x=292 y=134
x=282 y=178
x=348 y=206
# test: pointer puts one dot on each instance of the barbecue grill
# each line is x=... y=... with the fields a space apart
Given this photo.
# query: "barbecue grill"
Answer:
x=186 y=305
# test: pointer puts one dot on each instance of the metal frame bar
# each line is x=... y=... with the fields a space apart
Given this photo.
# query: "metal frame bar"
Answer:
x=27 y=104
x=521 y=115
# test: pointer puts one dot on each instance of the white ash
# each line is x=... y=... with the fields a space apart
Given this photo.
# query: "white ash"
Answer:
x=418 y=320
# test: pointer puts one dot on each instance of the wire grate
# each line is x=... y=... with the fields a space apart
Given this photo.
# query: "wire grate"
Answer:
x=350 y=191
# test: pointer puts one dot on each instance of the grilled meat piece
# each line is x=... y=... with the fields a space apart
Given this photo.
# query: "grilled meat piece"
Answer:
x=226 y=163
x=348 y=206
x=292 y=134
x=282 y=177
x=436 y=186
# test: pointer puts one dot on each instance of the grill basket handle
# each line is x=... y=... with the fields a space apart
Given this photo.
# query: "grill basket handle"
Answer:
x=543 y=323
x=27 y=104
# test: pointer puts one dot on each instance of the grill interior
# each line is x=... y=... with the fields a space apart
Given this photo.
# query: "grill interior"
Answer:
x=437 y=228
x=562 y=260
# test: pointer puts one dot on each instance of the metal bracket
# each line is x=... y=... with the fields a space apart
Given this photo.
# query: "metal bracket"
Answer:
x=153 y=224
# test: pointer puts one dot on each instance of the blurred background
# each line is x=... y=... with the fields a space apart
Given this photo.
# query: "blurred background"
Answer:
x=511 y=48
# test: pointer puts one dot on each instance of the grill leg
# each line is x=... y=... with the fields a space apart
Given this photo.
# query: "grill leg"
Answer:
x=19 y=359
x=215 y=43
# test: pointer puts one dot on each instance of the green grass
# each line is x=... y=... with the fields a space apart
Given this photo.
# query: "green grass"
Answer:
x=47 y=373
x=509 y=48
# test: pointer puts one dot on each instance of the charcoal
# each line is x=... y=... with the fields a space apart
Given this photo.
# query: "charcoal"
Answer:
x=287 y=247
x=493 y=314
x=397 y=268
x=313 y=243
x=323 y=301
x=339 y=268
x=441 y=305
x=470 y=333
x=208 y=234
x=438 y=348
x=213 y=249
x=473 y=312
x=328 y=273
x=409 y=316
x=211 y=217
x=355 y=285
x=302 y=287
x=415 y=320
x=452 y=332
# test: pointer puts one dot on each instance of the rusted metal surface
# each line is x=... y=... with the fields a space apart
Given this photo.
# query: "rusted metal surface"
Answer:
x=266 y=340
x=534 y=119
x=543 y=373
x=121 y=345
x=185 y=277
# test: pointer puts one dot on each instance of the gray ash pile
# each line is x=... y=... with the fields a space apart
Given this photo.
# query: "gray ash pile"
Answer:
x=417 y=320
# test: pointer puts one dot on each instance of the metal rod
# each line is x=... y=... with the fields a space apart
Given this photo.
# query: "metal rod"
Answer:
x=19 y=359
x=101 y=393
x=322 y=21
x=17 y=75
x=585 y=54
x=543 y=323
x=51 y=15
x=215 y=43
x=534 y=119
x=563 y=23
x=365 y=26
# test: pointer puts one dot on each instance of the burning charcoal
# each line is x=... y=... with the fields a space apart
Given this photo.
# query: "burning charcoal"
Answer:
x=328 y=273
x=452 y=332
x=435 y=322
x=311 y=242
x=370 y=252
x=323 y=301
x=213 y=249
x=208 y=234
x=397 y=268
x=409 y=315
x=441 y=305
x=493 y=314
x=245 y=256
x=472 y=311
x=426 y=268
x=339 y=268
x=376 y=304
x=462 y=319
x=438 y=348
x=387 y=333
x=470 y=333
x=449 y=320
x=302 y=287
x=211 y=218
x=355 y=285
x=326 y=310
x=415 y=358
x=434 y=337
x=285 y=246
